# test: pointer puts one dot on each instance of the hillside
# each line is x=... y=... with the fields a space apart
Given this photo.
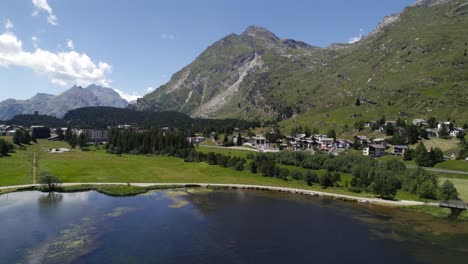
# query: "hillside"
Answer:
x=73 y=98
x=414 y=62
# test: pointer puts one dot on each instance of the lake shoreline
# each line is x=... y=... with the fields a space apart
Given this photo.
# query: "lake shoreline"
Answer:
x=133 y=189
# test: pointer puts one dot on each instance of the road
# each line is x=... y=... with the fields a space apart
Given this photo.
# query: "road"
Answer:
x=252 y=187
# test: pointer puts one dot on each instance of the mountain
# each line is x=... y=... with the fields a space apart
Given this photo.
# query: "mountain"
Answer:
x=414 y=64
x=73 y=98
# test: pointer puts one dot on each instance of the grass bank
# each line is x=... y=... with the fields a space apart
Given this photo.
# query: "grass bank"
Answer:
x=437 y=212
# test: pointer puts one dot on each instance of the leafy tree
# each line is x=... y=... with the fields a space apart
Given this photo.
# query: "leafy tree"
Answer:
x=423 y=133
x=239 y=166
x=331 y=134
x=382 y=120
x=385 y=185
x=18 y=137
x=400 y=123
x=448 y=191
x=463 y=154
x=311 y=177
x=329 y=179
x=408 y=155
x=296 y=175
x=26 y=137
x=358 y=102
x=82 y=140
x=428 y=190
x=413 y=134
x=5 y=147
x=239 y=140
x=389 y=129
x=33 y=136
x=49 y=181
x=253 y=167
x=307 y=131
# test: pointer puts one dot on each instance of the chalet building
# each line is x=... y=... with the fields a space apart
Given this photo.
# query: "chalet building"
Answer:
x=381 y=141
x=400 y=150
x=374 y=151
x=326 y=143
x=363 y=140
x=342 y=144
x=95 y=135
x=257 y=141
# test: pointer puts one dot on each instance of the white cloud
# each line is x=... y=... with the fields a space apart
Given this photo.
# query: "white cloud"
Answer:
x=356 y=38
x=168 y=36
x=42 y=5
x=63 y=68
x=8 y=24
x=150 y=89
x=70 y=44
x=126 y=96
x=35 y=42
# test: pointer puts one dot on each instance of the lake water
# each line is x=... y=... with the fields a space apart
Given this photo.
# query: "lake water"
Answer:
x=232 y=226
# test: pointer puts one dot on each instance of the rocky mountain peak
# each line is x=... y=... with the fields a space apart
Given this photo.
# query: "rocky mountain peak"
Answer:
x=429 y=3
x=260 y=33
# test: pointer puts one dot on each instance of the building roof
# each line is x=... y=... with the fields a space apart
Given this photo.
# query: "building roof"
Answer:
x=401 y=146
x=376 y=146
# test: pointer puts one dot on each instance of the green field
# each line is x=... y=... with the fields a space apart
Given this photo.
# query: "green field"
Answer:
x=98 y=166
x=459 y=165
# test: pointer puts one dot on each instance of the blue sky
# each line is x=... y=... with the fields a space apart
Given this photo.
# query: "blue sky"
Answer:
x=49 y=45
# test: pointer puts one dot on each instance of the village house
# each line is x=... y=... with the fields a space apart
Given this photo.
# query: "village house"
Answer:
x=373 y=150
x=381 y=141
x=455 y=132
x=326 y=143
x=363 y=140
x=257 y=141
x=399 y=150
x=342 y=144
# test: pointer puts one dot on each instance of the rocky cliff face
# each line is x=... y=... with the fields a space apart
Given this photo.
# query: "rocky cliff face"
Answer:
x=75 y=97
x=409 y=64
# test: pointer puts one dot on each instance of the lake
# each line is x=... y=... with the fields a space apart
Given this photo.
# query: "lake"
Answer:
x=219 y=226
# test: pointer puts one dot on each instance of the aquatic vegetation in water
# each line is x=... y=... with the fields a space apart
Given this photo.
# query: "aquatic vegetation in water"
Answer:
x=76 y=241
x=176 y=198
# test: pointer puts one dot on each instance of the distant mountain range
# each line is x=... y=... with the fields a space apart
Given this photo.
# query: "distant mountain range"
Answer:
x=414 y=64
x=73 y=98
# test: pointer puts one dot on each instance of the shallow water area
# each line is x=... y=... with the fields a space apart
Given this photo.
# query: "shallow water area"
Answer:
x=219 y=226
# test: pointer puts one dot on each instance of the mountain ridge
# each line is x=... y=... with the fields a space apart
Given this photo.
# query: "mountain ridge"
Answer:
x=258 y=75
x=59 y=105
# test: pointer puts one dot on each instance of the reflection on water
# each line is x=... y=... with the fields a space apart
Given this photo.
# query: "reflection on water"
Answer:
x=51 y=199
x=199 y=225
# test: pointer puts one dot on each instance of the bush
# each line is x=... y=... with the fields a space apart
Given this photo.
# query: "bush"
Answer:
x=311 y=178
x=239 y=166
x=297 y=175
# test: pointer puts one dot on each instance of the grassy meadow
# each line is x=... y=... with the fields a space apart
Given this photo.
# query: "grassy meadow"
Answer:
x=98 y=166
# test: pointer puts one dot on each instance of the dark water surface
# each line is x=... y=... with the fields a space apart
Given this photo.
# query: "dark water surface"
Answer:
x=203 y=226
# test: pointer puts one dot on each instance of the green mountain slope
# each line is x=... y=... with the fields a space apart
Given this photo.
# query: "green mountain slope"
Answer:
x=415 y=62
